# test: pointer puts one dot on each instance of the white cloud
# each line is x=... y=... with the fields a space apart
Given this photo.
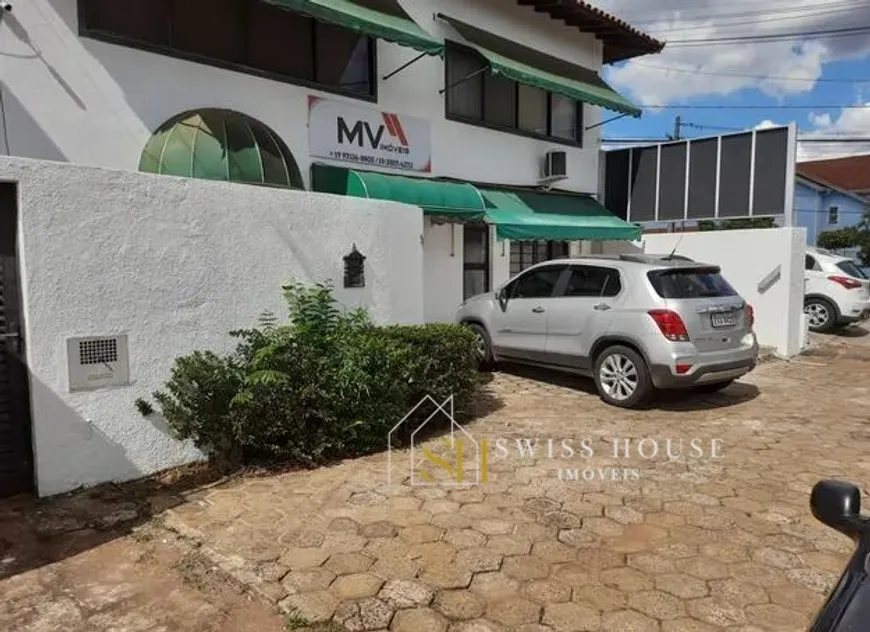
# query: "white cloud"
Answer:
x=767 y=124
x=710 y=69
x=854 y=122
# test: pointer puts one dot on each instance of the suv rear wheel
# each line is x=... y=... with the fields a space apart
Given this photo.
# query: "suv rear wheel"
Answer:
x=821 y=313
x=622 y=377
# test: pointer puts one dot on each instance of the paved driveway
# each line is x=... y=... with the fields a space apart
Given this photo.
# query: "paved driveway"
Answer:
x=717 y=538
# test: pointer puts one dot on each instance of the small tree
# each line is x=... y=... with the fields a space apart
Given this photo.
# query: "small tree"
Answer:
x=839 y=239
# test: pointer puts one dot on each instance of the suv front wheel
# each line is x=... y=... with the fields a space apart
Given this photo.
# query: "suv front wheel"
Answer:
x=622 y=377
x=483 y=346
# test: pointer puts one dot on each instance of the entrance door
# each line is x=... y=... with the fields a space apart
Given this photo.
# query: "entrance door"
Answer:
x=16 y=471
x=475 y=260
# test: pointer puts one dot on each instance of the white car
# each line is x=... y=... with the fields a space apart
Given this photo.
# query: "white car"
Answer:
x=836 y=292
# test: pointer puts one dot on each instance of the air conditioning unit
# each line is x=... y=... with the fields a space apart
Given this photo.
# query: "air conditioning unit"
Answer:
x=555 y=167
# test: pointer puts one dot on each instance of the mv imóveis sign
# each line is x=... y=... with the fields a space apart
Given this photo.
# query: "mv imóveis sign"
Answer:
x=367 y=137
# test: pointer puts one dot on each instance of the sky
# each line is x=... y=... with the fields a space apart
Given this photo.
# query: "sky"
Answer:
x=821 y=72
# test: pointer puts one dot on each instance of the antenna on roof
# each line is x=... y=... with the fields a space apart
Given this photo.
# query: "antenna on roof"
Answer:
x=674 y=251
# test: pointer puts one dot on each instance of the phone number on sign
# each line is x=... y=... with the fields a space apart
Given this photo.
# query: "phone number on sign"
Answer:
x=371 y=160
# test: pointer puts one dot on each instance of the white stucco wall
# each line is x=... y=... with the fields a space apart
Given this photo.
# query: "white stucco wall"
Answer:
x=443 y=275
x=746 y=258
x=85 y=101
x=175 y=264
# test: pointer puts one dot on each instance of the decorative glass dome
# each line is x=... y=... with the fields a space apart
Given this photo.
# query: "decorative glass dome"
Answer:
x=218 y=144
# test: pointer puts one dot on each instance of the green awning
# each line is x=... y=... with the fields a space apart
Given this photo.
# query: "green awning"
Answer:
x=356 y=17
x=527 y=215
x=533 y=68
x=219 y=144
x=435 y=197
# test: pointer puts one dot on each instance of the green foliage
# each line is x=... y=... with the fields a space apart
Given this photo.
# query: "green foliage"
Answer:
x=840 y=239
x=737 y=224
x=857 y=236
x=144 y=407
x=325 y=384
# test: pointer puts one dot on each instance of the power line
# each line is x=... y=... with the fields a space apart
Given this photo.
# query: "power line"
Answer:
x=709 y=73
x=741 y=106
x=805 y=139
x=689 y=16
x=709 y=22
x=773 y=37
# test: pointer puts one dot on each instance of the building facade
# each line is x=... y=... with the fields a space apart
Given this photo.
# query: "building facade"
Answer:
x=849 y=173
x=820 y=206
x=263 y=91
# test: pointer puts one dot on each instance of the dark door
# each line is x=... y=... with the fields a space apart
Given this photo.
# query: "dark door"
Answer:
x=16 y=471
x=475 y=262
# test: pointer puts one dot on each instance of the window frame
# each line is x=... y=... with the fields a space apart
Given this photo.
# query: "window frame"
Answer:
x=510 y=288
x=835 y=211
x=549 y=246
x=515 y=128
x=485 y=266
x=169 y=51
x=607 y=269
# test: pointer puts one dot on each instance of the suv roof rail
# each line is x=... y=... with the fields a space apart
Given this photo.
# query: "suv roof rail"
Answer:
x=652 y=258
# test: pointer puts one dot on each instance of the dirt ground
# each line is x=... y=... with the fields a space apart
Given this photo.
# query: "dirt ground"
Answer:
x=724 y=542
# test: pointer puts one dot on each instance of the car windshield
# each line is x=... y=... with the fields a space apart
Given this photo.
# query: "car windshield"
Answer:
x=850 y=268
x=684 y=283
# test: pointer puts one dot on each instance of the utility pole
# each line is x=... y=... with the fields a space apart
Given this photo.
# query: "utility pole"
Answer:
x=678 y=129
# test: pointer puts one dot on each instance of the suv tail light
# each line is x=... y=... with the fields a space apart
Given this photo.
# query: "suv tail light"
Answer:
x=671 y=325
x=750 y=316
x=846 y=282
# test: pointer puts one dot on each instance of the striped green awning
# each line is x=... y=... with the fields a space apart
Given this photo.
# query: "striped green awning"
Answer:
x=533 y=68
x=392 y=28
x=217 y=144
x=532 y=215
x=435 y=197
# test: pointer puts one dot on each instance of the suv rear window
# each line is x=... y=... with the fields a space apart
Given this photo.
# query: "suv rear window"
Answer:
x=690 y=283
x=851 y=269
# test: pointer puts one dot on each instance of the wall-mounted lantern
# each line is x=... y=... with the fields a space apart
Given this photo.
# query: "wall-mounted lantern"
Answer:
x=354 y=269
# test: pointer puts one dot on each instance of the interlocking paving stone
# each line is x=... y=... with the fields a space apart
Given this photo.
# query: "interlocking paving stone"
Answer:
x=689 y=547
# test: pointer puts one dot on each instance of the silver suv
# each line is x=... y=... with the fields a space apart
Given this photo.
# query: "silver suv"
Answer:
x=634 y=323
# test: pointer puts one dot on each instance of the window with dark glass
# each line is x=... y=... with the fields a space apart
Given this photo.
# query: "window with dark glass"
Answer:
x=464 y=85
x=246 y=35
x=532 y=104
x=209 y=28
x=492 y=100
x=499 y=102
x=525 y=254
x=280 y=41
x=538 y=283
x=475 y=259
x=343 y=59
x=593 y=281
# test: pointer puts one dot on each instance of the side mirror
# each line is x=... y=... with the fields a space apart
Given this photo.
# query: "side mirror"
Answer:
x=501 y=296
x=838 y=505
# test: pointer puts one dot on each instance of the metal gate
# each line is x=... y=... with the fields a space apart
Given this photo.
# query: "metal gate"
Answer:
x=16 y=469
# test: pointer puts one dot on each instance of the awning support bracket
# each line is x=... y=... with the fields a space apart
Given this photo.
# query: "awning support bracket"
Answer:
x=605 y=122
x=461 y=81
x=403 y=66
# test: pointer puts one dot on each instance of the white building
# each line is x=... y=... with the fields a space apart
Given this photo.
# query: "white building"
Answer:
x=487 y=114
x=90 y=82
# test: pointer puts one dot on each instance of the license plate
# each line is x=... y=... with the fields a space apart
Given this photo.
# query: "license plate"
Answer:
x=723 y=320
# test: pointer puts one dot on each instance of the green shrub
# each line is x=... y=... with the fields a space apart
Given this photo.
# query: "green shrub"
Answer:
x=326 y=384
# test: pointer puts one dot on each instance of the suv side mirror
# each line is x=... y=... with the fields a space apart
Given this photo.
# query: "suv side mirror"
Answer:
x=838 y=505
x=501 y=296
